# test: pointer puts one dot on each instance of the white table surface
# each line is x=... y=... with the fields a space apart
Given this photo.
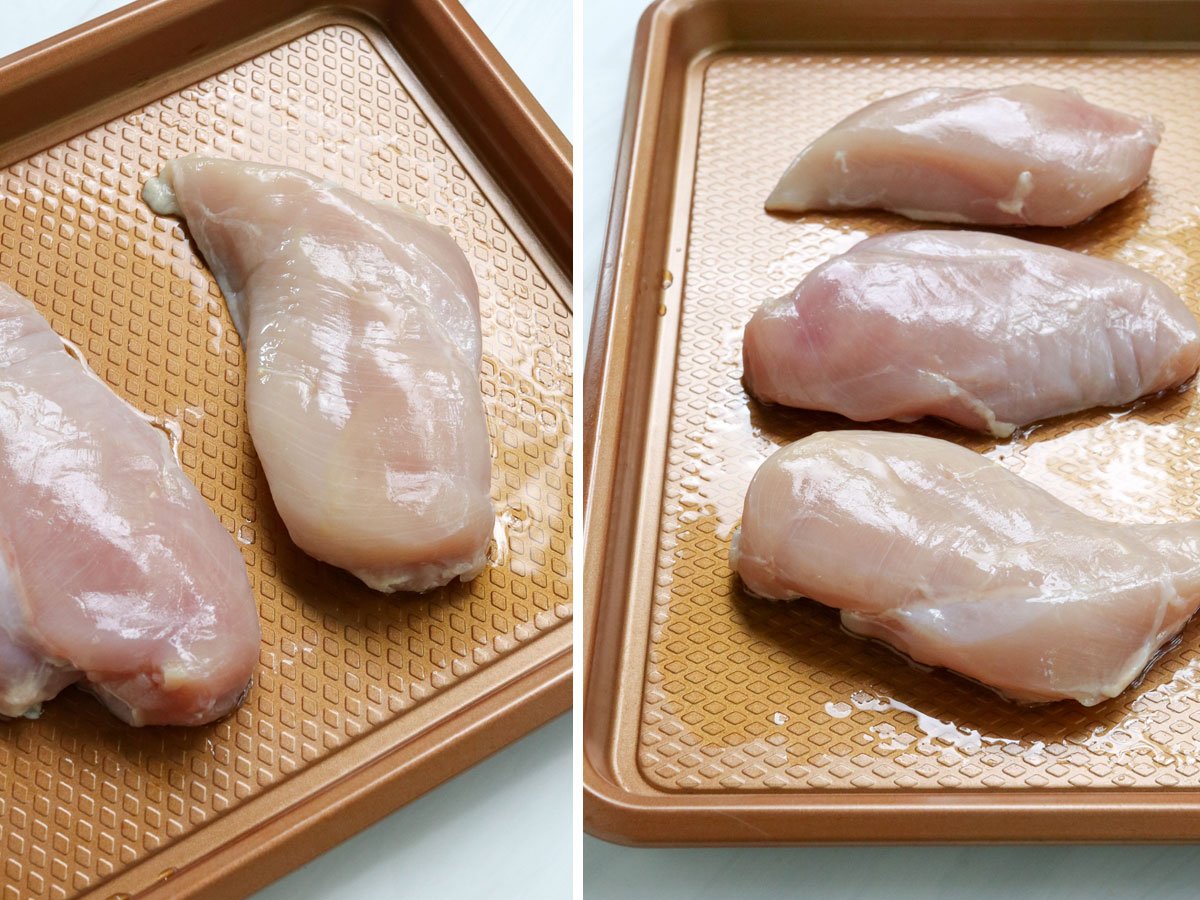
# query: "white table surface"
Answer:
x=822 y=873
x=502 y=829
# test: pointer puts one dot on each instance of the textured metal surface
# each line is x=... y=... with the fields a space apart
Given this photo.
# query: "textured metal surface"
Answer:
x=83 y=798
x=744 y=695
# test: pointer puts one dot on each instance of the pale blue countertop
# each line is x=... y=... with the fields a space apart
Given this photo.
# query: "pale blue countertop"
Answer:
x=818 y=873
x=502 y=829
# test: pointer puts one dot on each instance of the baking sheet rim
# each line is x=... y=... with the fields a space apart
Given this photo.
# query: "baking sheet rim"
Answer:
x=475 y=717
x=641 y=814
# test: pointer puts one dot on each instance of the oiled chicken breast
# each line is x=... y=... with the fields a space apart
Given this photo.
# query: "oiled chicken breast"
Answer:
x=113 y=571
x=985 y=330
x=1019 y=155
x=361 y=328
x=959 y=563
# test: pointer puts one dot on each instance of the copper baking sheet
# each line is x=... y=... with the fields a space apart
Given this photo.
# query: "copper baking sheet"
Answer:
x=361 y=701
x=714 y=718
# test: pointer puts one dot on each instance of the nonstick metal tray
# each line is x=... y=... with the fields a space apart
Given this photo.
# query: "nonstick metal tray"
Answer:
x=712 y=717
x=361 y=701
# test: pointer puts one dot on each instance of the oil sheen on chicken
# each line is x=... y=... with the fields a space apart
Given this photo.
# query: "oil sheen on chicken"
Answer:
x=361 y=328
x=984 y=330
x=113 y=571
x=957 y=562
x=1019 y=155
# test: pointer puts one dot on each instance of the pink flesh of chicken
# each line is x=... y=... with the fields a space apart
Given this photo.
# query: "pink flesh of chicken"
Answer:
x=361 y=326
x=1020 y=155
x=113 y=571
x=987 y=331
x=959 y=563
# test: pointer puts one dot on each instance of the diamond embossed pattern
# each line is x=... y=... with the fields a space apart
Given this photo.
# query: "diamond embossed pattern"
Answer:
x=743 y=694
x=81 y=797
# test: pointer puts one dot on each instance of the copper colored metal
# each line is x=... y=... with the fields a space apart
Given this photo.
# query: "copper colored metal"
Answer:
x=362 y=701
x=711 y=717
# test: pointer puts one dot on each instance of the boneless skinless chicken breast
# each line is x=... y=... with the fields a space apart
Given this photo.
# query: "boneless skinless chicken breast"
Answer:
x=1018 y=155
x=113 y=571
x=984 y=330
x=959 y=563
x=361 y=327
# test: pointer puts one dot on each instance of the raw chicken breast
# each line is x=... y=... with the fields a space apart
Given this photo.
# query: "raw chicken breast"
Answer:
x=361 y=327
x=984 y=330
x=959 y=563
x=1020 y=155
x=113 y=571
